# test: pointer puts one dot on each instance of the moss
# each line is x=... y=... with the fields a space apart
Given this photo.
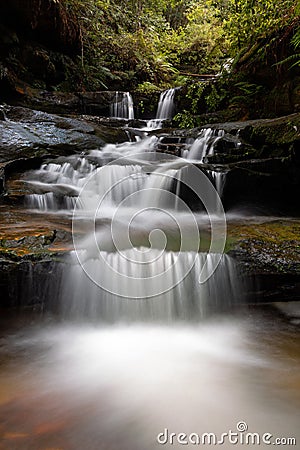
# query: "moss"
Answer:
x=270 y=246
x=279 y=132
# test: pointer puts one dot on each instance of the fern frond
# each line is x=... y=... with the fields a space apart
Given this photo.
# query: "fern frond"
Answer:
x=296 y=39
x=295 y=57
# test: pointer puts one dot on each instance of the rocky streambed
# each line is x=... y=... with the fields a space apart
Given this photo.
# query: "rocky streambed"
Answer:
x=261 y=162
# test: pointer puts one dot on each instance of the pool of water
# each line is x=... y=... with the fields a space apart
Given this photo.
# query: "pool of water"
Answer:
x=70 y=386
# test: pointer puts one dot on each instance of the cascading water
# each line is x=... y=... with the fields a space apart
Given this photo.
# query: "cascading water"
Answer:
x=165 y=109
x=122 y=106
x=134 y=195
x=57 y=185
x=188 y=300
x=219 y=178
x=204 y=144
x=164 y=375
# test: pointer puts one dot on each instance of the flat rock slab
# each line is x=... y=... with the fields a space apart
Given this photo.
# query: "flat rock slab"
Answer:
x=29 y=133
x=23 y=234
x=269 y=246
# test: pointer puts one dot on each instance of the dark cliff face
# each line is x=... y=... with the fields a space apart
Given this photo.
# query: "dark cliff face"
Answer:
x=46 y=21
x=39 y=40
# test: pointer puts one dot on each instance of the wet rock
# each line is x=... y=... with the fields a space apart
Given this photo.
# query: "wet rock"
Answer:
x=109 y=129
x=51 y=102
x=269 y=253
x=277 y=137
x=28 y=133
x=96 y=103
x=26 y=283
x=262 y=158
x=269 y=186
x=266 y=246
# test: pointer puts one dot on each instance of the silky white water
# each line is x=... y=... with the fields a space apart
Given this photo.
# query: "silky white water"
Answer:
x=121 y=386
x=165 y=110
x=139 y=259
x=122 y=106
x=204 y=144
x=166 y=104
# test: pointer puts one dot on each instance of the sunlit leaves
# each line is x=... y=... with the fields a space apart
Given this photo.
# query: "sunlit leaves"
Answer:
x=247 y=20
x=150 y=40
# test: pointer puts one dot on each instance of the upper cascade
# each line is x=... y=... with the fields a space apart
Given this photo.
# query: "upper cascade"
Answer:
x=122 y=106
x=165 y=108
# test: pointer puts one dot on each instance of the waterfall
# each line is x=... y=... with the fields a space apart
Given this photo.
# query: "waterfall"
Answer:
x=128 y=361
x=166 y=104
x=204 y=144
x=57 y=185
x=140 y=273
x=165 y=109
x=122 y=106
x=219 y=179
x=157 y=188
x=139 y=259
x=50 y=202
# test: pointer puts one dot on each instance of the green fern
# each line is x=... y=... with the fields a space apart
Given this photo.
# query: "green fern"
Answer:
x=296 y=39
x=295 y=58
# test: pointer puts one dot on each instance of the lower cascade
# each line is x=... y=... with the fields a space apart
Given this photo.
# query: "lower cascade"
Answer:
x=137 y=243
x=204 y=144
x=147 y=285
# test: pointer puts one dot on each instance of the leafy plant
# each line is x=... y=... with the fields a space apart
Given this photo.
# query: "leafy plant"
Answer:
x=147 y=88
x=295 y=57
x=215 y=97
x=185 y=119
x=248 y=93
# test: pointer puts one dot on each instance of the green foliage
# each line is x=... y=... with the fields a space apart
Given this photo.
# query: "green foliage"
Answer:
x=149 y=45
x=249 y=92
x=194 y=94
x=246 y=21
x=218 y=93
x=148 y=88
x=146 y=40
x=185 y=119
x=121 y=42
x=293 y=59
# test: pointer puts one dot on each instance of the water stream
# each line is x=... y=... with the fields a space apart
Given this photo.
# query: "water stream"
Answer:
x=150 y=337
x=122 y=106
x=165 y=109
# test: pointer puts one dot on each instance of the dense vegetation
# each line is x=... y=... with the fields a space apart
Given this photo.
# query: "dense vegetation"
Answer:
x=147 y=44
